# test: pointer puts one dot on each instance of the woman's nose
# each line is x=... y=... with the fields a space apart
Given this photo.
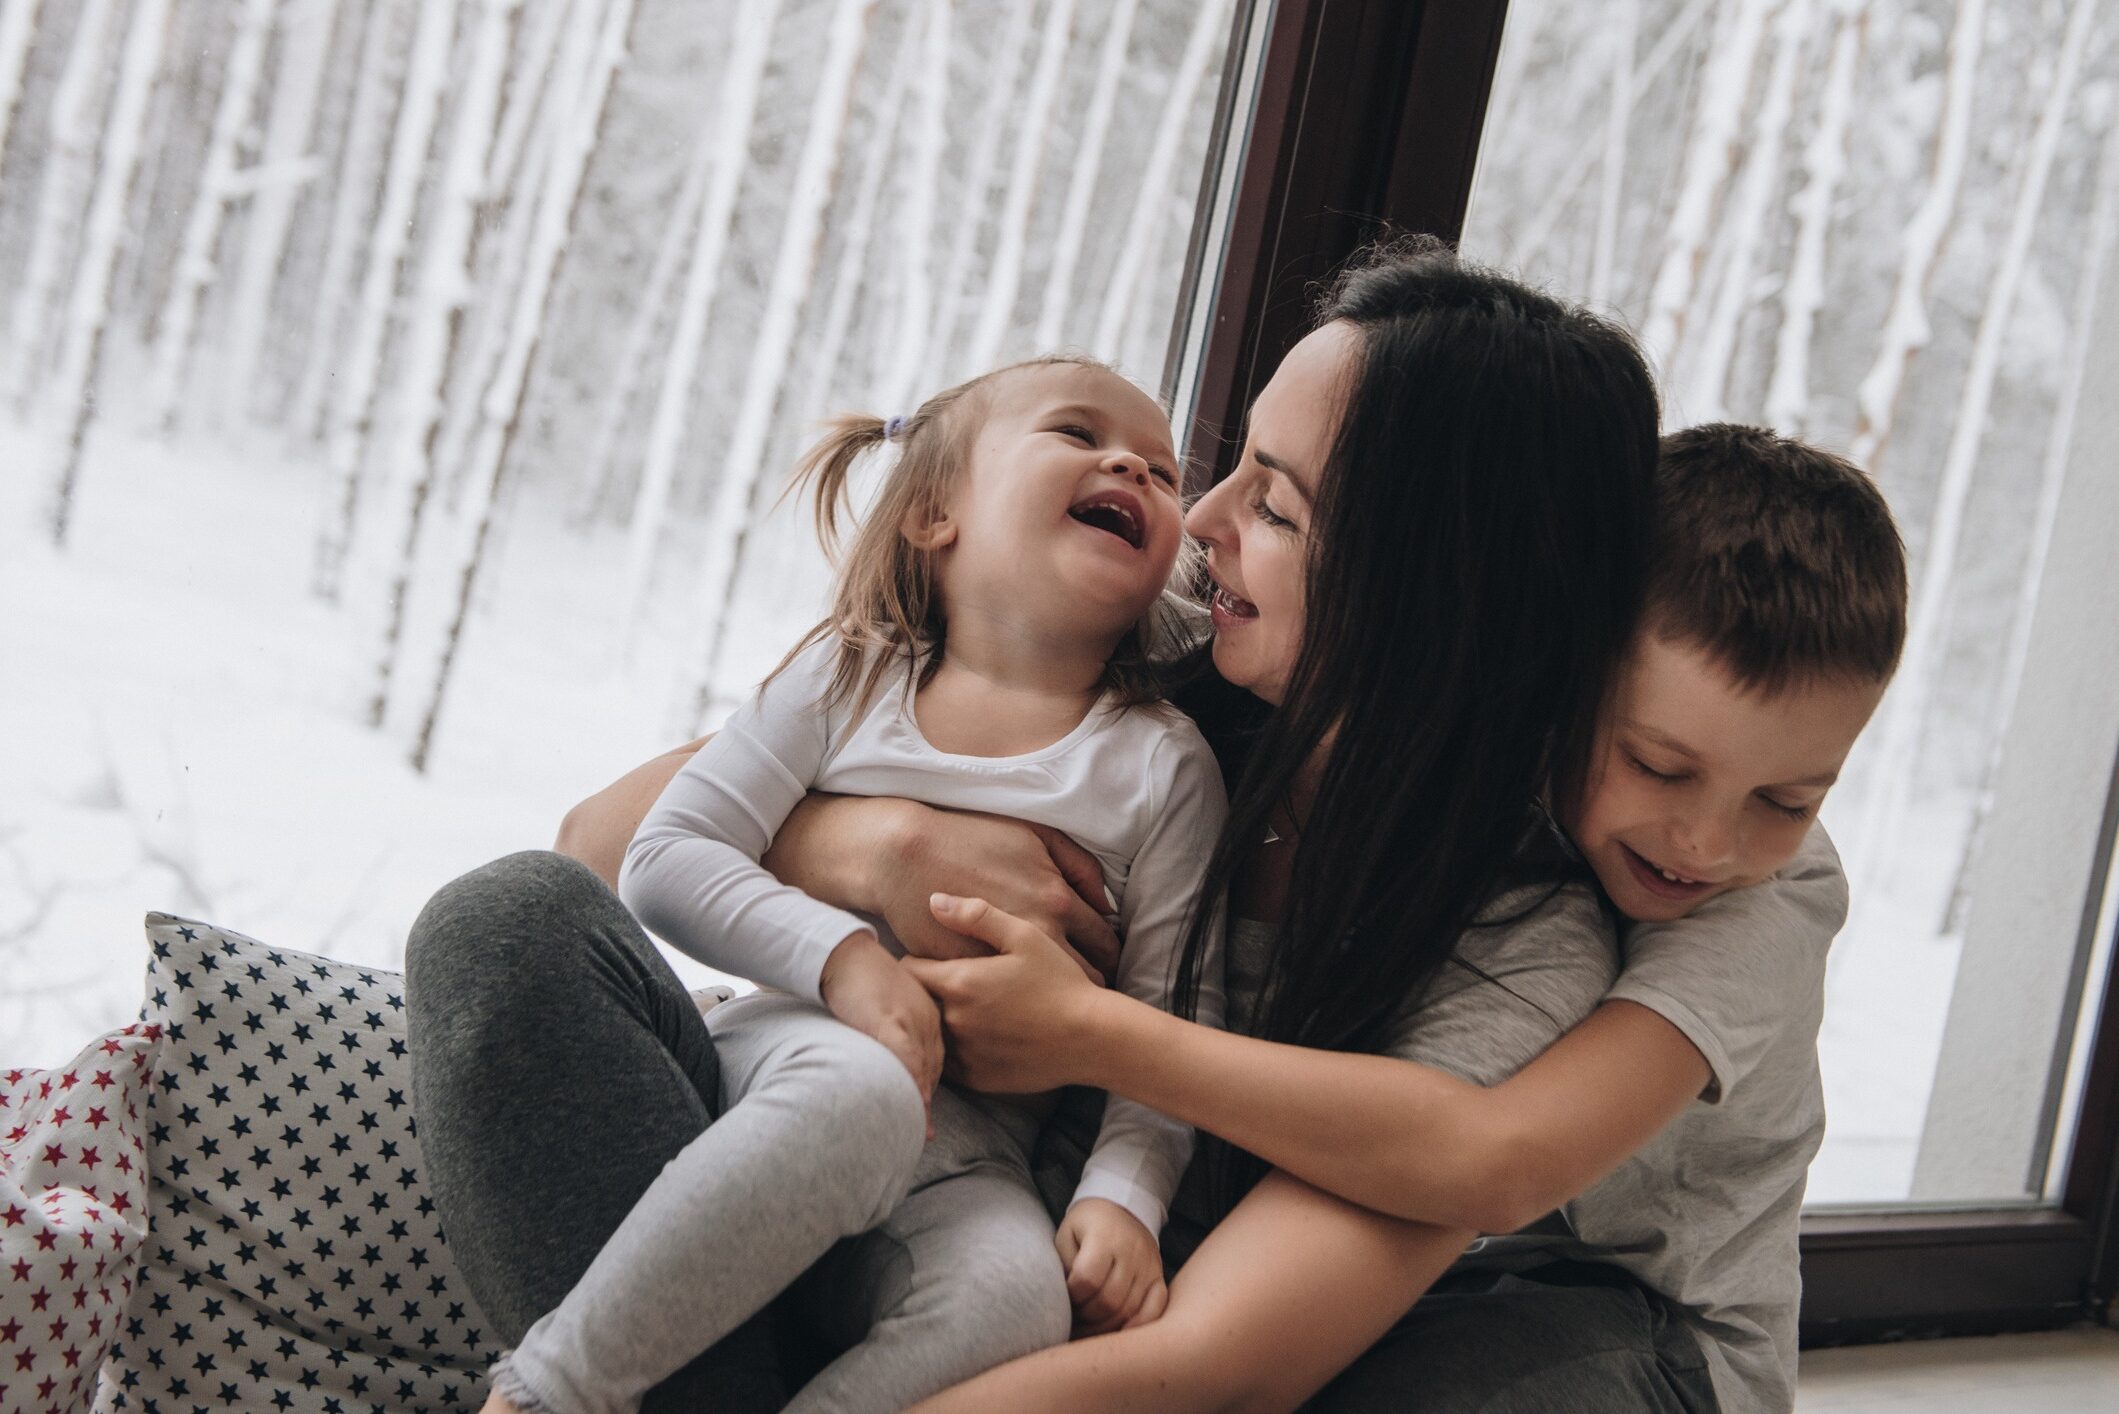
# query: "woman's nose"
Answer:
x=1204 y=520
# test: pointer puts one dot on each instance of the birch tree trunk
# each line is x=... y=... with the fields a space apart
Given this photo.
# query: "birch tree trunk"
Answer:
x=1209 y=30
x=360 y=387
x=1011 y=226
x=434 y=326
x=1710 y=157
x=733 y=119
x=1906 y=710
x=2103 y=234
x=1088 y=167
x=743 y=468
x=339 y=274
x=959 y=269
x=558 y=202
x=1744 y=224
x=18 y=27
x=69 y=174
x=1546 y=219
x=827 y=349
x=1618 y=119
x=528 y=110
x=102 y=238
x=1824 y=164
x=285 y=164
x=1906 y=326
x=916 y=212
x=196 y=266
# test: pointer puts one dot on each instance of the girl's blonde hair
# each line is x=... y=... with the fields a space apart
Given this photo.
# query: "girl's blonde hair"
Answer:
x=886 y=609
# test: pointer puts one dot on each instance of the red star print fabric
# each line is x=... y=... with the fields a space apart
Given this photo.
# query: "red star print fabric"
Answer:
x=73 y=1216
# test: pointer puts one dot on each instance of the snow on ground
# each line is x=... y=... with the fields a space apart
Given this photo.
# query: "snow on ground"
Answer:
x=179 y=731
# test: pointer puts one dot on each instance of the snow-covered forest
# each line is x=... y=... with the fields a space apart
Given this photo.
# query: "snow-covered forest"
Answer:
x=1880 y=225
x=394 y=396
x=394 y=393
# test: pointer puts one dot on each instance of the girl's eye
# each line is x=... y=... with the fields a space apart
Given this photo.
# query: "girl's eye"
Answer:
x=1793 y=812
x=1649 y=771
x=1167 y=476
x=1079 y=434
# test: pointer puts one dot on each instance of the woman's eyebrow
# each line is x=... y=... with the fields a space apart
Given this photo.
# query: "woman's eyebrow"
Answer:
x=1272 y=463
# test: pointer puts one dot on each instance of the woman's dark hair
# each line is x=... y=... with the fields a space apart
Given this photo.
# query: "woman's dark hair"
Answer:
x=1476 y=559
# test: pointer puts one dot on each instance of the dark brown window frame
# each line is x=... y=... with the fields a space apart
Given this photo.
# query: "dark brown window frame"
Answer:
x=1366 y=114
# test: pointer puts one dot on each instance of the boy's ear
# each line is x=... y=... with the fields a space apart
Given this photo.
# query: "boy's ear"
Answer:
x=928 y=530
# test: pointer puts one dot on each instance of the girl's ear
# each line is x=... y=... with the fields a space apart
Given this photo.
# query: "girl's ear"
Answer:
x=928 y=530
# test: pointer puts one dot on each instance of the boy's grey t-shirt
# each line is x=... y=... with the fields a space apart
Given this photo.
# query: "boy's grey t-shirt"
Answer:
x=1707 y=1212
x=1540 y=960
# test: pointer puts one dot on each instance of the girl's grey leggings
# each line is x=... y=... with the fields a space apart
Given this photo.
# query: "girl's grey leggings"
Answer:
x=625 y=1192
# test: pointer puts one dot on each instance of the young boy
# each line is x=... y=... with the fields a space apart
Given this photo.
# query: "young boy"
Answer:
x=1775 y=614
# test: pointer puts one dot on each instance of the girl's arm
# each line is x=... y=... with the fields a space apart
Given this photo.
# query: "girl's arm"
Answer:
x=882 y=856
x=1281 y=1296
x=1400 y=1138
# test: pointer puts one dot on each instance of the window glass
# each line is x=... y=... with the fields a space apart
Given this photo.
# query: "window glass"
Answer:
x=397 y=393
x=1888 y=229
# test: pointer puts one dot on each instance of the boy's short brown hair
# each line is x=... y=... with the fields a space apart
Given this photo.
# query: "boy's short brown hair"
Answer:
x=1779 y=559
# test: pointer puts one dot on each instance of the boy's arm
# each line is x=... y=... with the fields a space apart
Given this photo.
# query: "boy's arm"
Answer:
x=1139 y=1154
x=1399 y=1137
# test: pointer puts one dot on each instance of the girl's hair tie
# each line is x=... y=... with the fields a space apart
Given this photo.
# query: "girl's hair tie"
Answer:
x=893 y=426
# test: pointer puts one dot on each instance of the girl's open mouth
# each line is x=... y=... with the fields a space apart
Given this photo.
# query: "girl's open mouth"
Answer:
x=1114 y=513
x=1662 y=882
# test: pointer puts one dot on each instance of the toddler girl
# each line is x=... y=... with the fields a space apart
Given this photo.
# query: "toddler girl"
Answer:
x=986 y=650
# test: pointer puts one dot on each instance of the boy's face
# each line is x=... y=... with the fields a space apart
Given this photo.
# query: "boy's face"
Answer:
x=1699 y=786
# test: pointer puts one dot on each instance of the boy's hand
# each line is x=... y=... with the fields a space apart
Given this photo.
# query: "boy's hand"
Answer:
x=863 y=986
x=1114 y=1268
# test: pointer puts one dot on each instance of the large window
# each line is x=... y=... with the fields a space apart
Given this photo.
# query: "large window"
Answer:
x=1888 y=229
x=399 y=392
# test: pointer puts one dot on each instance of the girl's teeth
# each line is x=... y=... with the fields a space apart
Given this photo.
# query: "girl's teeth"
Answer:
x=1675 y=878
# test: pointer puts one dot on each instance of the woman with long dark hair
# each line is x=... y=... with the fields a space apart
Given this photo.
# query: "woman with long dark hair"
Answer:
x=1427 y=566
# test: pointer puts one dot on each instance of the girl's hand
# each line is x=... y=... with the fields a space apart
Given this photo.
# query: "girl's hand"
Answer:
x=884 y=857
x=865 y=987
x=1013 y=1019
x=1114 y=1268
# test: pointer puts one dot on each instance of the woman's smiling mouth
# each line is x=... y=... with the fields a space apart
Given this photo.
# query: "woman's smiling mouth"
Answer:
x=1230 y=607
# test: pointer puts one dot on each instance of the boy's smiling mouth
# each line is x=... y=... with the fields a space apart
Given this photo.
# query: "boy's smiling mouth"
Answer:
x=1662 y=882
x=1115 y=513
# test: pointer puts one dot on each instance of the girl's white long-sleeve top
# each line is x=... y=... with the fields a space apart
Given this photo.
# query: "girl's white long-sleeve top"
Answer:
x=1136 y=787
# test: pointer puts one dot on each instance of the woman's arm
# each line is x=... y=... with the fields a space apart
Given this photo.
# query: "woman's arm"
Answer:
x=1401 y=1138
x=883 y=857
x=1282 y=1295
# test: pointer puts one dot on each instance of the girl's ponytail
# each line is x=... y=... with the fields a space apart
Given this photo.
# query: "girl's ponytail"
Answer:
x=827 y=468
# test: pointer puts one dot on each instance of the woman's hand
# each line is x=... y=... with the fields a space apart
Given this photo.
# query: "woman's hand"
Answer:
x=886 y=857
x=1015 y=1019
x=1114 y=1268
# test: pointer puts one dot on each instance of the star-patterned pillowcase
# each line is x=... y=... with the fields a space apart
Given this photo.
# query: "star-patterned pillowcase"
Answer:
x=296 y=1261
x=73 y=1215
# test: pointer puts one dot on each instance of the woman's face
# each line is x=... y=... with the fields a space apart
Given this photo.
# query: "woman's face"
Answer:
x=1256 y=523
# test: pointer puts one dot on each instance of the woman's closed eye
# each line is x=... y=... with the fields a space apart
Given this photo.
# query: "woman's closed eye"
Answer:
x=1266 y=513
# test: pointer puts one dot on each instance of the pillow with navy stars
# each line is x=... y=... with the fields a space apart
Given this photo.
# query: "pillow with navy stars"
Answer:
x=73 y=1215
x=294 y=1260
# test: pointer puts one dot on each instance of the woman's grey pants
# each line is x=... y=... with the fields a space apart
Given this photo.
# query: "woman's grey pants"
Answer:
x=624 y=1190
